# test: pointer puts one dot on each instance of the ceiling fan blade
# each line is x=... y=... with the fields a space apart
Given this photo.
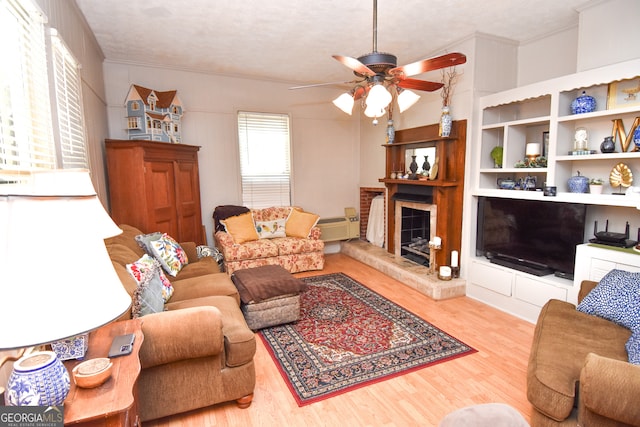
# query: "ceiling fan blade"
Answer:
x=322 y=84
x=355 y=65
x=419 y=85
x=444 y=61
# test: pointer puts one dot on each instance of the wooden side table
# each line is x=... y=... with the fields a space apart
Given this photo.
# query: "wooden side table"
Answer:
x=114 y=403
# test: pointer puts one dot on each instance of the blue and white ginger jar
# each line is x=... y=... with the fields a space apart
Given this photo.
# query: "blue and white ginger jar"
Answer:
x=39 y=379
x=578 y=184
x=583 y=104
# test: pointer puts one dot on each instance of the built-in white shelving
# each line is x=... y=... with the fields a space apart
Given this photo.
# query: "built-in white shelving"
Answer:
x=515 y=117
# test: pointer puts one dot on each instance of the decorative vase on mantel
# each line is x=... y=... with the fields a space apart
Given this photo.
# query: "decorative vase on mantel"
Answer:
x=391 y=132
x=445 y=122
x=413 y=167
x=426 y=165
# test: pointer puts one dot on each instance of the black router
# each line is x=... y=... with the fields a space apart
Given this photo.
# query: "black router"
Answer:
x=606 y=237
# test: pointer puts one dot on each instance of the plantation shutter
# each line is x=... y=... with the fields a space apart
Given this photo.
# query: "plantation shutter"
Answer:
x=265 y=165
x=26 y=136
x=68 y=97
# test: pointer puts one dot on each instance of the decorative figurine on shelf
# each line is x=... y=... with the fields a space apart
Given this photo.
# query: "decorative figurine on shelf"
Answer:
x=154 y=115
x=583 y=104
x=619 y=177
x=496 y=155
x=608 y=145
x=413 y=167
x=426 y=166
x=581 y=139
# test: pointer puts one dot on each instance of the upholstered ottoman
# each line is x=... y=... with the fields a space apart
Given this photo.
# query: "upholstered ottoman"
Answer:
x=269 y=295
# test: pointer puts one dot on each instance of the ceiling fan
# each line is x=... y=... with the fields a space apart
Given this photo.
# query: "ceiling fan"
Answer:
x=378 y=72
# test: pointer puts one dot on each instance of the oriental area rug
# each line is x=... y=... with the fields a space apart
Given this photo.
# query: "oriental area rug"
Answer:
x=349 y=336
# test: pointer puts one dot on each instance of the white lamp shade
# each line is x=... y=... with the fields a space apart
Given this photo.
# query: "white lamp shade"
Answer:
x=378 y=98
x=406 y=99
x=57 y=278
x=344 y=102
x=532 y=149
x=373 y=112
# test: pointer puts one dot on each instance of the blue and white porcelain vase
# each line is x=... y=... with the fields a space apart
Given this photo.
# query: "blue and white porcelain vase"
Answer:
x=445 y=122
x=38 y=379
x=583 y=104
x=636 y=139
x=391 y=132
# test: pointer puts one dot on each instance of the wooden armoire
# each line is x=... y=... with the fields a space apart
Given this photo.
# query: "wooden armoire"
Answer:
x=155 y=186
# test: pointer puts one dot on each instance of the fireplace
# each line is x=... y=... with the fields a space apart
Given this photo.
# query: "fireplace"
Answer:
x=415 y=226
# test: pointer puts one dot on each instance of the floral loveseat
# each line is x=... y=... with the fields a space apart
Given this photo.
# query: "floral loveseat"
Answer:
x=285 y=236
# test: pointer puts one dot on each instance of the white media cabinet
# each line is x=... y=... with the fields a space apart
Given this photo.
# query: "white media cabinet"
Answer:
x=594 y=261
x=511 y=119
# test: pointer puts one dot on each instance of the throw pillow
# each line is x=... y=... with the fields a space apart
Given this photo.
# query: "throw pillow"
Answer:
x=169 y=253
x=204 y=251
x=144 y=266
x=241 y=228
x=143 y=240
x=633 y=348
x=617 y=298
x=271 y=229
x=299 y=224
x=147 y=298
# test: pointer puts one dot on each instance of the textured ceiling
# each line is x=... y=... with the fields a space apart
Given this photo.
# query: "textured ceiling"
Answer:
x=293 y=40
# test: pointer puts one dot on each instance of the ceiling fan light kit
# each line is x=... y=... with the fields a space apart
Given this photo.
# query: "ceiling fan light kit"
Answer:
x=345 y=102
x=406 y=99
x=382 y=81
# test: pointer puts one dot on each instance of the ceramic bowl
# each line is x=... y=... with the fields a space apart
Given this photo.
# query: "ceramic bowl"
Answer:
x=92 y=373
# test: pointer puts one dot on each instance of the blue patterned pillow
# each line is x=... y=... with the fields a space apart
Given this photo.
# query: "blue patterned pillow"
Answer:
x=617 y=298
x=633 y=348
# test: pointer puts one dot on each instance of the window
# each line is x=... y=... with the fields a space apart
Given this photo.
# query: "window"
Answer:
x=26 y=134
x=265 y=164
x=133 y=122
x=41 y=123
x=70 y=135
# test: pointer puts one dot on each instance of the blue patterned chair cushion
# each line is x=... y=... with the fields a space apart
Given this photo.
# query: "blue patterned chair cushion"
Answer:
x=617 y=298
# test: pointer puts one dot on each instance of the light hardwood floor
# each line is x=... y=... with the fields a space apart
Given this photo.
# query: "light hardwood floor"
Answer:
x=496 y=373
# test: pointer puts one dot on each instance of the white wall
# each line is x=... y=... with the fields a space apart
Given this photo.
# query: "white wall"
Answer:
x=325 y=141
x=551 y=56
x=608 y=33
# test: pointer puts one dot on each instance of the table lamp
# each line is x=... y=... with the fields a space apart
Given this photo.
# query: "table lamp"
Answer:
x=57 y=278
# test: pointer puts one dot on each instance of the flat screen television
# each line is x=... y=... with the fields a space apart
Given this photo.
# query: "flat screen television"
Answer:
x=538 y=237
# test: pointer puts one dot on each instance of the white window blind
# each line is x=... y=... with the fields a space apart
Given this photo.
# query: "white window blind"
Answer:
x=26 y=136
x=265 y=164
x=68 y=101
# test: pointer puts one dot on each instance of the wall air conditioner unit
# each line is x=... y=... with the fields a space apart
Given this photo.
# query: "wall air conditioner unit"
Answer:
x=339 y=228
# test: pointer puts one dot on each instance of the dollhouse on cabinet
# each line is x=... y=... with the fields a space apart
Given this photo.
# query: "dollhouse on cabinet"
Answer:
x=153 y=115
